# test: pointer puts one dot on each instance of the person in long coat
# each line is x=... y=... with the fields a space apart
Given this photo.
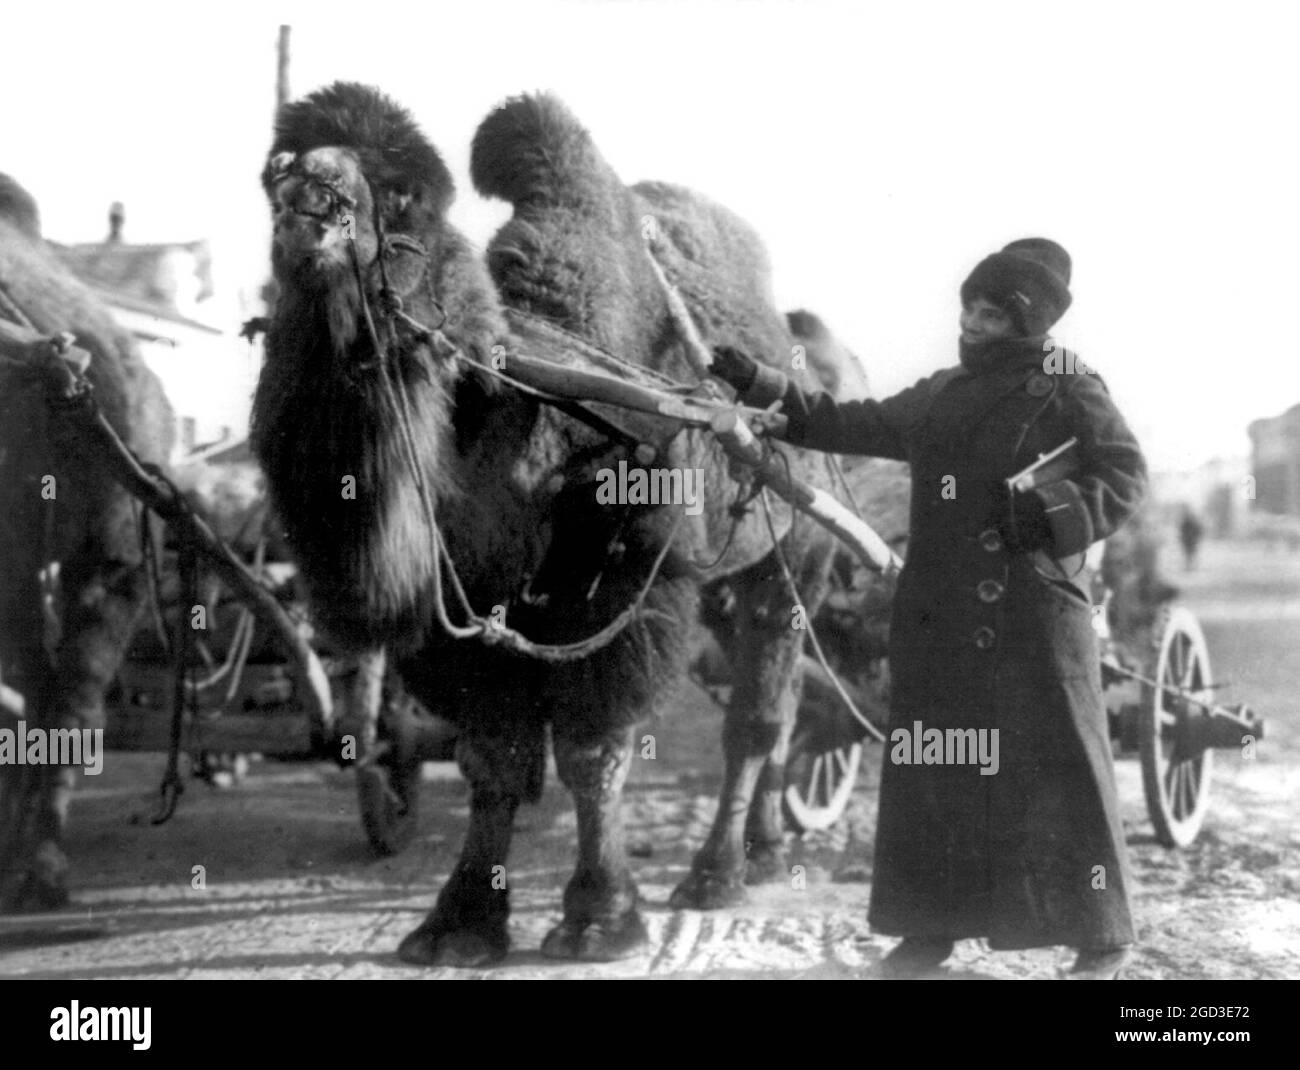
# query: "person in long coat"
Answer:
x=1019 y=842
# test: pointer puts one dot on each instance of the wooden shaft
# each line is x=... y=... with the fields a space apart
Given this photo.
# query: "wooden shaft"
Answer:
x=739 y=442
x=577 y=384
x=168 y=504
x=727 y=423
x=697 y=352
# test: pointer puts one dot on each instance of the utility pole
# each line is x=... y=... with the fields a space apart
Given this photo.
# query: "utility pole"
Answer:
x=282 y=69
x=268 y=291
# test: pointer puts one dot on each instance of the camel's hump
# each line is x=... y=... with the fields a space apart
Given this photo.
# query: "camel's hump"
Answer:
x=533 y=146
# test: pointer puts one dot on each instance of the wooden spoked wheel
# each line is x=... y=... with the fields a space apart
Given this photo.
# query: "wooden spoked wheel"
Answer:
x=1176 y=780
x=819 y=778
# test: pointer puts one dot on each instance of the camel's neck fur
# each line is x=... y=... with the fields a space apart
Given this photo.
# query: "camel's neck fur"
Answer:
x=328 y=437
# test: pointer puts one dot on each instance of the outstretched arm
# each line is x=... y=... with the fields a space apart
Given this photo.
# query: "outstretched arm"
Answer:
x=870 y=427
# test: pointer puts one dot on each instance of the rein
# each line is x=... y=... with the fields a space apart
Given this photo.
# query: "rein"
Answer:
x=491 y=631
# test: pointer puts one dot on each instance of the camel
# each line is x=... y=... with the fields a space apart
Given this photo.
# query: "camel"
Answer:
x=61 y=662
x=837 y=367
x=389 y=446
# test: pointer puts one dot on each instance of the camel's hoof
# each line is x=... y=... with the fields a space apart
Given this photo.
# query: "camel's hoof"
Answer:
x=707 y=891
x=597 y=941
x=765 y=864
x=434 y=944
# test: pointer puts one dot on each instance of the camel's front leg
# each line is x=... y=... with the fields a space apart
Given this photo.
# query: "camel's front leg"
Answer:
x=746 y=837
x=468 y=924
x=741 y=845
x=765 y=858
x=601 y=921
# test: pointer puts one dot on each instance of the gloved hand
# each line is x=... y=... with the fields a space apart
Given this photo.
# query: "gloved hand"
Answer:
x=734 y=367
x=1021 y=520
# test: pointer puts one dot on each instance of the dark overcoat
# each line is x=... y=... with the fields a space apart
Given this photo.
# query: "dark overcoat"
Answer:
x=1031 y=854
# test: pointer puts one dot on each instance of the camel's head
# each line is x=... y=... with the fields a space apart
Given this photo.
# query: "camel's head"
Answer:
x=346 y=163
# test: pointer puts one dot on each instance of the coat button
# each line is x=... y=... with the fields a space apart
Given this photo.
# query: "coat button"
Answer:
x=990 y=540
x=1039 y=385
x=983 y=637
x=989 y=590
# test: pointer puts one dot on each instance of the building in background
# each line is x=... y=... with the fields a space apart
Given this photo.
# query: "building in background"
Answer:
x=164 y=294
x=1275 y=463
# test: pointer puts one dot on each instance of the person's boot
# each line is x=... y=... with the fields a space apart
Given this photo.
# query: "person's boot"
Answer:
x=915 y=956
x=1098 y=964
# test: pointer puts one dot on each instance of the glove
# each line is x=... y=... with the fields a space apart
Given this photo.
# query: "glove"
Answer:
x=734 y=367
x=1021 y=520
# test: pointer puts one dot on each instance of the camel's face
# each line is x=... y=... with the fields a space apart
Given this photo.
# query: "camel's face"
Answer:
x=320 y=205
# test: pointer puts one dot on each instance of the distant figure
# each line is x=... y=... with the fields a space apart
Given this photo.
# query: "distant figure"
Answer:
x=1190 y=531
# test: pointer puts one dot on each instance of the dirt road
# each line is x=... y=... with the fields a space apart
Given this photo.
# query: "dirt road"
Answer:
x=291 y=890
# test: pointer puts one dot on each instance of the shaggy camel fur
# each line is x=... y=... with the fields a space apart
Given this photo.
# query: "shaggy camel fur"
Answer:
x=513 y=484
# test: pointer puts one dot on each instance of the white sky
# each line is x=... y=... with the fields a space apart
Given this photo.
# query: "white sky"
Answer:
x=880 y=149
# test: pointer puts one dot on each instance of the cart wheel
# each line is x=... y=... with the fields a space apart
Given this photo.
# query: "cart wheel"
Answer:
x=819 y=779
x=1177 y=787
x=388 y=789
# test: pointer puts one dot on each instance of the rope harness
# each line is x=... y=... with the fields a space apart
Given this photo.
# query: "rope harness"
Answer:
x=497 y=633
x=492 y=631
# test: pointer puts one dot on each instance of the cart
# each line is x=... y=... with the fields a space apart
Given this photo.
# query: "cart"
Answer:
x=243 y=698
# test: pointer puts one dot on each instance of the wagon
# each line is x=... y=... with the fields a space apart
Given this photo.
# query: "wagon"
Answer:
x=243 y=697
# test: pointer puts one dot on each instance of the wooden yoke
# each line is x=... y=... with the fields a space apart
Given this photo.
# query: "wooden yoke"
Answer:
x=739 y=442
x=576 y=370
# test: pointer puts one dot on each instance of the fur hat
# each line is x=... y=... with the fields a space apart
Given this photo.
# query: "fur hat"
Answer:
x=395 y=155
x=1029 y=280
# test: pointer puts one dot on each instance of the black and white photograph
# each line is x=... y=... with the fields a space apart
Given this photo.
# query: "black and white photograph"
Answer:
x=609 y=490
